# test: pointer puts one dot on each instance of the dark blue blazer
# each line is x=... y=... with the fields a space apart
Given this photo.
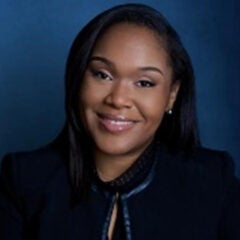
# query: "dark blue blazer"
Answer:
x=193 y=197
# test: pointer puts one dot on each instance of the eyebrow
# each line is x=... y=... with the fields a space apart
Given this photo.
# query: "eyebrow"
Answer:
x=102 y=59
x=154 y=69
x=111 y=64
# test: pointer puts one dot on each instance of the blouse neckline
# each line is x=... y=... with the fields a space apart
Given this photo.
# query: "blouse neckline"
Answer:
x=133 y=176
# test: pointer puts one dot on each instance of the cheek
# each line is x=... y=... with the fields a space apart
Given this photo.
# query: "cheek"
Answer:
x=88 y=96
x=91 y=93
x=154 y=105
x=85 y=101
x=154 y=117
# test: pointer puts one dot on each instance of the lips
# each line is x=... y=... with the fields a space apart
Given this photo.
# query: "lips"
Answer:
x=115 y=123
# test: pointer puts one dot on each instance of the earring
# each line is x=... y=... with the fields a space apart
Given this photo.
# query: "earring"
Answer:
x=169 y=112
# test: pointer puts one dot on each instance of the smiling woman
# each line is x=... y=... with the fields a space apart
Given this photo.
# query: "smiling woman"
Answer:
x=120 y=120
x=128 y=164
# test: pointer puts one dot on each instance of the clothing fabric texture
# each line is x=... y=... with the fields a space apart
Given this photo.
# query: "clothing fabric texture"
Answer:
x=180 y=196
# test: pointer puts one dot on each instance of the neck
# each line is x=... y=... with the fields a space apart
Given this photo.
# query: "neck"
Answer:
x=110 y=167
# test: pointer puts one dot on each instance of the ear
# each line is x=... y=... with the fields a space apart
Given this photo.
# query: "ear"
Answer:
x=174 y=88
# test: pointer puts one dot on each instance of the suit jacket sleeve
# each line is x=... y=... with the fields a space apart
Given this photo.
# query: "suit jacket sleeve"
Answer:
x=10 y=202
x=230 y=222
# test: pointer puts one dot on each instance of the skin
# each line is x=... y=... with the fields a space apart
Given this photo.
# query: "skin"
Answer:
x=127 y=88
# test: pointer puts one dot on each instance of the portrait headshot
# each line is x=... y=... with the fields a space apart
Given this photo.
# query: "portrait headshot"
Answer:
x=120 y=120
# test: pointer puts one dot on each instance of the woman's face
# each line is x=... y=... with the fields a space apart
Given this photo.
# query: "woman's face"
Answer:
x=126 y=90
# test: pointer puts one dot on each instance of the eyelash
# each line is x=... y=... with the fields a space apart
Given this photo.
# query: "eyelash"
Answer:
x=101 y=75
x=145 y=84
x=104 y=76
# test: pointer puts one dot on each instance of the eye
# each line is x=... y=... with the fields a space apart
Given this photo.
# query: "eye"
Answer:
x=145 y=84
x=101 y=75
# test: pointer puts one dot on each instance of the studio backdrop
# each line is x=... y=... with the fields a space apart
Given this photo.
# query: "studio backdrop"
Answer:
x=35 y=40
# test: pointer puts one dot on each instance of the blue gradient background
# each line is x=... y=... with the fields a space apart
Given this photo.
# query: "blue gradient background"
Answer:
x=35 y=40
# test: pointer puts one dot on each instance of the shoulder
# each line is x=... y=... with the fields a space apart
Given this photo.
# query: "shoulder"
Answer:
x=206 y=167
x=213 y=162
x=203 y=159
x=211 y=156
x=32 y=169
x=212 y=159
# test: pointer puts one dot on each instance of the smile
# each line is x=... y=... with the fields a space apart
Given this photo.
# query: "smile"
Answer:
x=115 y=124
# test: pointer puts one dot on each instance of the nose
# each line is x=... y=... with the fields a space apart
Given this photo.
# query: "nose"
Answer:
x=119 y=96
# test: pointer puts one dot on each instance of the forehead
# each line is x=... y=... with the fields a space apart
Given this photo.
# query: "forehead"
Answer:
x=132 y=44
x=130 y=32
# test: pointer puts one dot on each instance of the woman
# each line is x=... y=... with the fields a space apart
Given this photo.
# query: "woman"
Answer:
x=128 y=164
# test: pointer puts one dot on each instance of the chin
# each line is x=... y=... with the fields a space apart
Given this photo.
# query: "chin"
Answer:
x=114 y=149
x=121 y=149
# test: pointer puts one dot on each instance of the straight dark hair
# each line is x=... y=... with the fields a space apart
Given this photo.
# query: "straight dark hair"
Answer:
x=177 y=131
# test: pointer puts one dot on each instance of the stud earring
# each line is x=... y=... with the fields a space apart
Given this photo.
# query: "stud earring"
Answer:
x=169 y=112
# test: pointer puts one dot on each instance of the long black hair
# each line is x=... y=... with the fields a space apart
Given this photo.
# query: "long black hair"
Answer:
x=178 y=130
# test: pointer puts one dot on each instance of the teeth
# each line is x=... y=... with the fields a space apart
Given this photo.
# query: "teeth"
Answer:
x=116 y=122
